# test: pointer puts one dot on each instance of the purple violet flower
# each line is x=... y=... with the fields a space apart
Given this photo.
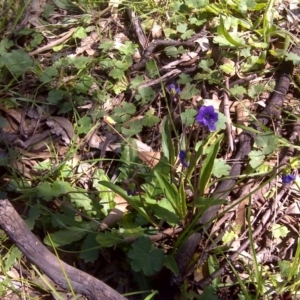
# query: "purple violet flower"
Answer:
x=288 y=178
x=207 y=117
x=173 y=89
x=182 y=157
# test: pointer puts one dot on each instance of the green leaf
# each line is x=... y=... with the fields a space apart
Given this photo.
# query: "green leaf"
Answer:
x=146 y=94
x=182 y=27
x=174 y=51
x=123 y=113
x=106 y=239
x=37 y=40
x=279 y=231
x=197 y=21
x=285 y=268
x=237 y=90
x=152 y=68
x=171 y=264
x=205 y=64
x=11 y=257
x=85 y=125
x=188 y=92
x=68 y=6
x=17 y=62
x=184 y=79
x=256 y=158
x=267 y=141
x=171 y=193
x=182 y=197
x=187 y=34
x=129 y=156
x=213 y=265
x=60 y=188
x=135 y=127
x=54 y=96
x=5 y=44
x=251 y=64
x=48 y=74
x=106 y=195
x=226 y=38
x=116 y=73
x=246 y=52
x=105 y=47
x=150 y=119
x=65 y=107
x=256 y=90
x=221 y=124
x=82 y=200
x=144 y=257
x=208 y=293
x=222 y=41
x=231 y=37
x=220 y=168
x=89 y=249
x=167 y=143
x=136 y=81
x=163 y=210
x=80 y=62
x=245 y=5
x=44 y=191
x=84 y=83
x=64 y=237
x=134 y=201
x=66 y=217
x=229 y=236
x=208 y=165
x=188 y=117
x=227 y=68
x=128 y=48
x=293 y=57
x=79 y=33
x=48 y=10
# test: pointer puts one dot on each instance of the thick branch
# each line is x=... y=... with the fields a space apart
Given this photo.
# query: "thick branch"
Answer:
x=38 y=254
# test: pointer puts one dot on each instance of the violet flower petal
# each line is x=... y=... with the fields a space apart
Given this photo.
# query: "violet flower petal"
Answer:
x=182 y=157
x=288 y=178
x=207 y=117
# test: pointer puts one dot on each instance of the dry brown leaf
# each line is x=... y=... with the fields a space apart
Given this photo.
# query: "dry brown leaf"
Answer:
x=151 y=159
x=15 y=121
x=242 y=113
x=293 y=209
x=142 y=147
x=98 y=142
x=23 y=167
x=34 y=9
x=240 y=216
x=116 y=214
x=61 y=127
x=156 y=31
x=38 y=140
x=16 y=114
x=87 y=43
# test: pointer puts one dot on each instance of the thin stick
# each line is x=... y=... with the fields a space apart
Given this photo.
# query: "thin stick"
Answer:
x=53 y=43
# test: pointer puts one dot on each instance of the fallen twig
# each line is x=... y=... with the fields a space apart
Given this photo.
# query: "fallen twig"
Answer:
x=53 y=43
x=38 y=254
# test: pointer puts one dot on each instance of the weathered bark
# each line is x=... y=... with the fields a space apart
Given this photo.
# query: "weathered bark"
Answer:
x=57 y=270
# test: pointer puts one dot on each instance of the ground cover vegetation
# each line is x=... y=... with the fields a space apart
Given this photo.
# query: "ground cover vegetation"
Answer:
x=151 y=144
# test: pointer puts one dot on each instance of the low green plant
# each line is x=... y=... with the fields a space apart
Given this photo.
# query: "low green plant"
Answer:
x=176 y=191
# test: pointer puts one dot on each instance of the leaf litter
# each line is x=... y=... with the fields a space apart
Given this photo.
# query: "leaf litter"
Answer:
x=38 y=138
